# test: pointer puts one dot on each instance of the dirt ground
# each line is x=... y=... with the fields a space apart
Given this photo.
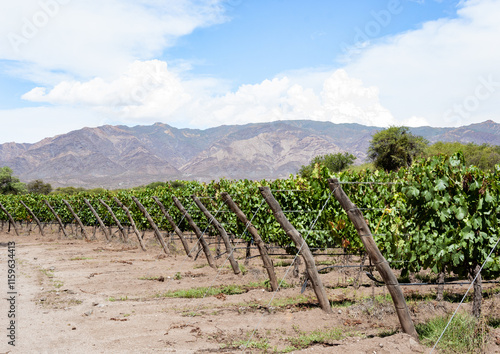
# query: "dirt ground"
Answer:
x=78 y=296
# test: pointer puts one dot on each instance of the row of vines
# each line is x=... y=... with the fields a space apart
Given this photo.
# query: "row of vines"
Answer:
x=439 y=214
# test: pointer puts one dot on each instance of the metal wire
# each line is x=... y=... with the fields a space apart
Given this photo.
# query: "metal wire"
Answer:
x=288 y=269
x=470 y=286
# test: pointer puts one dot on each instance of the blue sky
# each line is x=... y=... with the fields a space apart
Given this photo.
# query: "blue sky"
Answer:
x=67 y=64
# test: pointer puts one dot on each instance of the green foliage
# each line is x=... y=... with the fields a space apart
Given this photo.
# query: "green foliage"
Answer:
x=334 y=162
x=454 y=211
x=484 y=156
x=68 y=190
x=465 y=334
x=395 y=147
x=37 y=186
x=437 y=214
x=10 y=184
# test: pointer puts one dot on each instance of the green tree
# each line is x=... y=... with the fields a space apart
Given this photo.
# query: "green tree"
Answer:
x=37 y=186
x=334 y=162
x=10 y=184
x=68 y=190
x=484 y=156
x=395 y=147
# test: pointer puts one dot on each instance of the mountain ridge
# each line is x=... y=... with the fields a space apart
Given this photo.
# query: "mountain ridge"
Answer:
x=121 y=157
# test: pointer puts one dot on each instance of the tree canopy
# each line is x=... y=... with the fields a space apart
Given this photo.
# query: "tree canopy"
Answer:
x=39 y=187
x=484 y=156
x=334 y=162
x=395 y=147
x=10 y=184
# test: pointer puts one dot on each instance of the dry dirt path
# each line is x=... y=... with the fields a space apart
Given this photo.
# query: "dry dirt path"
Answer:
x=94 y=297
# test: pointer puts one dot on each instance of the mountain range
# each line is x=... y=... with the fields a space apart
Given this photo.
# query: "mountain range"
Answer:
x=123 y=157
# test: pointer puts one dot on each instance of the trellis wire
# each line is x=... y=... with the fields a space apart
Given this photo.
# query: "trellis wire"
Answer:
x=227 y=258
x=288 y=269
x=467 y=292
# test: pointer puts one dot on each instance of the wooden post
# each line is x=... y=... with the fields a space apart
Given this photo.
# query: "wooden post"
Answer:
x=174 y=226
x=152 y=223
x=268 y=264
x=99 y=220
x=33 y=216
x=377 y=258
x=311 y=269
x=197 y=231
x=222 y=232
x=10 y=218
x=132 y=222
x=117 y=222
x=56 y=216
x=76 y=218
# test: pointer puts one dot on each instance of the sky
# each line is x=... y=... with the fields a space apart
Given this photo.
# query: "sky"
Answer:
x=69 y=64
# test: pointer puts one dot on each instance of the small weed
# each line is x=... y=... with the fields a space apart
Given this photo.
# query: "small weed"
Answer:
x=198 y=266
x=282 y=263
x=58 y=283
x=304 y=340
x=243 y=269
x=113 y=299
x=149 y=278
x=47 y=272
x=178 y=276
x=80 y=258
x=204 y=291
x=190 y=314
x=466 y=334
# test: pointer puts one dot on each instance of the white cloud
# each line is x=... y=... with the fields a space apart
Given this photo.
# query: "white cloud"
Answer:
x=29 y=125
x=148 y=92
x=340 y=99
x=427 y=72
x=95 y=38
x=445 y=73
x=145 y=89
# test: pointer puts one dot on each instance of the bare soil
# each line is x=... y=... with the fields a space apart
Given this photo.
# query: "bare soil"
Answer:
x=78 y=296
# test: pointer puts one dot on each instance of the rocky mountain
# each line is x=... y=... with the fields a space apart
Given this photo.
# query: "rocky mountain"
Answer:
x=122 y=157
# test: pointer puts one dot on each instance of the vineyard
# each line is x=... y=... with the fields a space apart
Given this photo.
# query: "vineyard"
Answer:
x=437 y=217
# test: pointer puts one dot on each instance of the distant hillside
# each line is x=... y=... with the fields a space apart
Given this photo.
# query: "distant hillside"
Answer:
x=121 y=156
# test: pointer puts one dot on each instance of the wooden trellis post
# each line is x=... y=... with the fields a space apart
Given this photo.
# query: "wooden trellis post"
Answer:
x=132 y=222
x=268 y=264
x=358 y=220
x=152 y=223
x=311 y=269
x=174 y=226
x=117 y=222
x=56 y=216
x=77 y=218
x=197 y=231
x=99 y=220
x=222 y=232
x=34 y=217
x=11 y=219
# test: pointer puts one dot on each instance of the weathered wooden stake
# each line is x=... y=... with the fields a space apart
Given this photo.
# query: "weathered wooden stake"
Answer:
x=174 y=226
x=117 y=222
x=11 y=219
x=56 y=216
x=99 y=220
x=197 y=231
x=132 y=222
x=377 y=258
x=222 y=232
x=34 y=217
x=153 y=224
x=268 y=264
x=77 y=218
x=311 y=269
